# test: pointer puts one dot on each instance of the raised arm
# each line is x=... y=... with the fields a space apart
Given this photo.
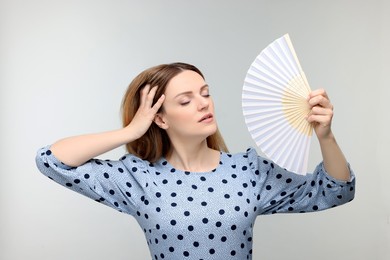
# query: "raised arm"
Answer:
x=74 y=151
x=321 y=117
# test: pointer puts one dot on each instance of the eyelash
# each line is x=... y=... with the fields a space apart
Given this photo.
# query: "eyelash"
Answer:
x=186 y=103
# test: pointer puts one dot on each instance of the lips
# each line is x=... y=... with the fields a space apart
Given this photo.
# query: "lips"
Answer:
x=205 y=117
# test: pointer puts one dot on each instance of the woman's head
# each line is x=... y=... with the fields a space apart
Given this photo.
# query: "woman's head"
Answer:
x=155 y=142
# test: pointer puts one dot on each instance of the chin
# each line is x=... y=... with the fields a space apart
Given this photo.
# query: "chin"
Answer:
x=213 y=129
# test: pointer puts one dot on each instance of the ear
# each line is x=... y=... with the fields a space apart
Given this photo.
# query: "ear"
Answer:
x=159 y=120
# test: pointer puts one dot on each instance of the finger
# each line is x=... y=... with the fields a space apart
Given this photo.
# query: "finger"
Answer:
x=144 y=93
x=323 y=120
x=317 y=110
x=320 y=100
x=317 y=95
x=158 y=103
x=150 y=96
x=318 y=92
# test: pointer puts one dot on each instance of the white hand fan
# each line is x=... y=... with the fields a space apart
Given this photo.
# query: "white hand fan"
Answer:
x=274 y=104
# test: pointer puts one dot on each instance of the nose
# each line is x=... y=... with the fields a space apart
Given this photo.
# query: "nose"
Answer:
x=203 y=103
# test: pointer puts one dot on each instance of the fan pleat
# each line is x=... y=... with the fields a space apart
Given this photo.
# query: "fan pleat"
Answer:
x=271 y=67
x=250 y=86
x=286 y=146
x=268 y=126
x=267 y=80
x=274 y=103
x=268 y=77
x=289 y=61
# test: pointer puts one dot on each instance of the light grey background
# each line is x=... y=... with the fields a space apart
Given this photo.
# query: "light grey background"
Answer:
x=65 y=65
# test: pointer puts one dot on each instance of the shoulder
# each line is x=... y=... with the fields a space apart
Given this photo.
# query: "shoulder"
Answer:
x=249 y=155
x=249 y=158
x=135 y=164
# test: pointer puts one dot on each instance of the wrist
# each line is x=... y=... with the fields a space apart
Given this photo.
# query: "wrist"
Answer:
x=329 y=137
x=129 y=134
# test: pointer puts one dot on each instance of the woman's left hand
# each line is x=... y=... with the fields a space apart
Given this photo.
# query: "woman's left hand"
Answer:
x=321 y=113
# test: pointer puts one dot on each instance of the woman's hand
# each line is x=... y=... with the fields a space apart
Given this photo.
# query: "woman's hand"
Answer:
x=75 y=151
x=321 y=113
x=320 y=116
x=146 y=111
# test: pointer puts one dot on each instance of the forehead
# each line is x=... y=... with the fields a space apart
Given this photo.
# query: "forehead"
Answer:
x=187 y=80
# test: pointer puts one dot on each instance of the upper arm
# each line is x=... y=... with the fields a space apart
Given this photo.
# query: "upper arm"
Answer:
x=107 y=182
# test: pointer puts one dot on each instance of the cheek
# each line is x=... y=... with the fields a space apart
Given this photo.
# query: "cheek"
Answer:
x=179 y=116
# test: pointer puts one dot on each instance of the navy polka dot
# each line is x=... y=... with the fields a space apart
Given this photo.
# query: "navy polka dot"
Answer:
x=188 y=215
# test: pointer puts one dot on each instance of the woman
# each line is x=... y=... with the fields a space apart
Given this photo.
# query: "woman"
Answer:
x=192 y=198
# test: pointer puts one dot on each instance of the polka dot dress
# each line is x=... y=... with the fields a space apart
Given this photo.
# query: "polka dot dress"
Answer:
x=199 y=215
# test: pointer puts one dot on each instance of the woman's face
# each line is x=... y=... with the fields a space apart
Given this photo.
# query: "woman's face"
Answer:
x=188 y=109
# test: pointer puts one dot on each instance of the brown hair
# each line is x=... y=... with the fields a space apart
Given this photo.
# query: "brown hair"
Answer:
x=155 y=142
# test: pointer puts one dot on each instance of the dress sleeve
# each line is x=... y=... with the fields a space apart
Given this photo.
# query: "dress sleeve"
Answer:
x=281 y=191
x=117 y=184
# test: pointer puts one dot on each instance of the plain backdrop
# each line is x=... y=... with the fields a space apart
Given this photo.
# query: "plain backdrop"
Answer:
x=64 y=66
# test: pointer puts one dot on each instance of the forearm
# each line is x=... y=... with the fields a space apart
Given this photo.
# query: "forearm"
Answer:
x=334 y=161
x=76 y=150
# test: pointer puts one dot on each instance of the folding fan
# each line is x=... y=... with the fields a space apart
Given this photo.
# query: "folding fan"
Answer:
x=274 y=104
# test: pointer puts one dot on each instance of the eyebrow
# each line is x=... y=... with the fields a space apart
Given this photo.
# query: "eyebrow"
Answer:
x=190 y=92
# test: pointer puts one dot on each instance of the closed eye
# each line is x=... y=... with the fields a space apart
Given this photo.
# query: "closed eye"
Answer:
x=205 y=92
x=188 y=95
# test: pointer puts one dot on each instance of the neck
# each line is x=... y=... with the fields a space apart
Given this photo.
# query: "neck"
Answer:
x=193 y=157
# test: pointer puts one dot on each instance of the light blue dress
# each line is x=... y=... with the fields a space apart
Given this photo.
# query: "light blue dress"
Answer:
x=199 y=215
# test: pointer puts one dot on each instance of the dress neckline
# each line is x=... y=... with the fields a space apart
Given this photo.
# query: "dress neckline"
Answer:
x=164 y=162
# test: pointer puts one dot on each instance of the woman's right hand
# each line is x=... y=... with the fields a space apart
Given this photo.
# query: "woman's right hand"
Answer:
x=76 y=150
x=146 y=112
